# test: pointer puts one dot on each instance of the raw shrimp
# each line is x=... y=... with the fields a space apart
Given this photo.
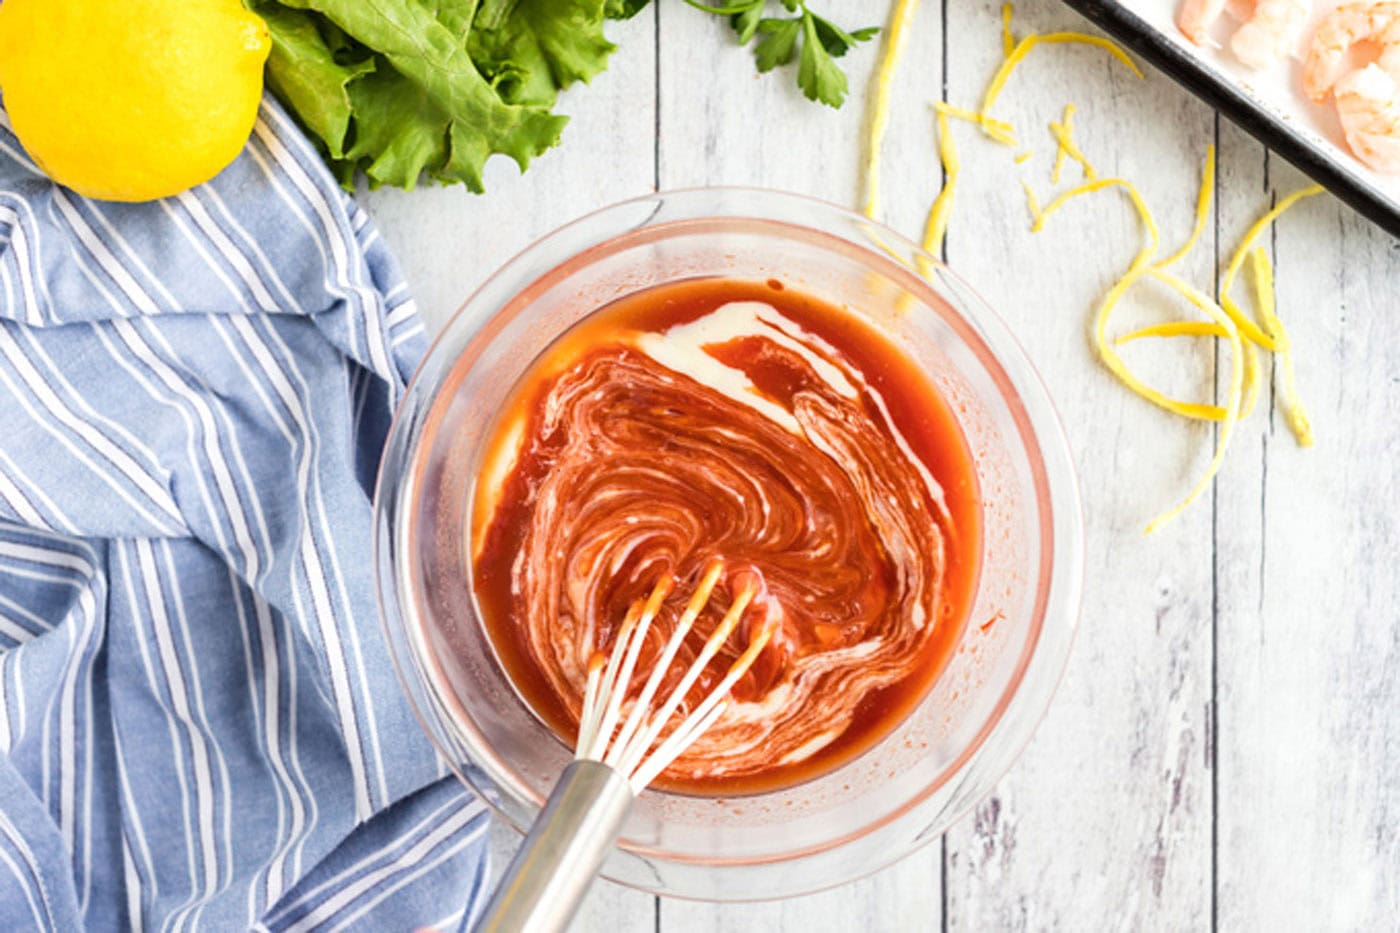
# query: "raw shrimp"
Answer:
x=1267 y=36
x=1368 y=98
x=1271 y=32
x=1196 y=18
x=1368 y=105
x=1343 y=28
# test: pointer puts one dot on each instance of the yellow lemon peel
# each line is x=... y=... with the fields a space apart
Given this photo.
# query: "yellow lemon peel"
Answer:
x=1139 y=269
x=895 y=37
x=1068 y=121
x=1274 y=342
x=1262 y=272
x=999 y=130
x=1252 y=379
x=1232 y=400
x=1023 y=48
x=936 y=226
x=1021 y=158
x=1008 y=41
x=1032 y=202
x=1063 y=133
x=1174 y=329
x=1136 y=271
x=1203 y=199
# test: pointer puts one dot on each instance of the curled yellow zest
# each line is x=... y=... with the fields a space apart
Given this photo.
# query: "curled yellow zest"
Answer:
x=1252 y=379
x=1024 y=156
x=999 y=130
x=1098 y=184
x=1023 y=48
x=1293 y=412
x=1068 y=123
x=1174 y=329
x=1067 y=146
x=1032 y=202
x=936 y=226
x=1008 y=41
x=1269 y=341
x=1232 y=401
x=1135 y=273
x=895 y=37
x=1203 y=197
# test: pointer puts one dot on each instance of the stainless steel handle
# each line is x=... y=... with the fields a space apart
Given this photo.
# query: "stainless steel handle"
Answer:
x=546 y=881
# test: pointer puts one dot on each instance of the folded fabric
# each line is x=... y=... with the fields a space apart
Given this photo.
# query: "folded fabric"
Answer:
x=199 y=723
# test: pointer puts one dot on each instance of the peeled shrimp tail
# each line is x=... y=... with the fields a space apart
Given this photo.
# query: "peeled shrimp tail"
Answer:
x=1196 y=17
x=1335 y=35
x=1368 y=106
x=1271 y=34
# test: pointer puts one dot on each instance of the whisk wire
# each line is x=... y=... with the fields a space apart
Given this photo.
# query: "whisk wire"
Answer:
x=628 y=648
x=697 y=602
x=631 y=755
x=703 y=716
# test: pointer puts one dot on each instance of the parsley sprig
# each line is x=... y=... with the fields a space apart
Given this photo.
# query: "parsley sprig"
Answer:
x=821 y=42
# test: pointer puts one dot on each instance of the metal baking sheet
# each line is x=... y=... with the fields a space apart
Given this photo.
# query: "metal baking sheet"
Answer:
x=1267 y=104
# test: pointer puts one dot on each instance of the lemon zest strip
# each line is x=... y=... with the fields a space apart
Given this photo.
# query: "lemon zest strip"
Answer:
x=1203 y=199
x=1136 y=271
x=1067 y=146
x=1023 y=48
x=1032 y=202
x=880 y=115
x=1233 y=396
x=1293 y=412
x=1275 y=342
x=999 y=130
x=1174 y=329
x=1022 y=157
x=1068 y=121
x=1008 y=41
x=936 y=226
x=1252 y=379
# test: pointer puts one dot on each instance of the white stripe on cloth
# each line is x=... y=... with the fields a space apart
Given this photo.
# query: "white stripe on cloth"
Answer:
x=200 y=829
x=43 y=919
x=80 y=434
x=18 y=241
x=411 y=860
x=147 y=751
x=365 y=297
x=371 y=861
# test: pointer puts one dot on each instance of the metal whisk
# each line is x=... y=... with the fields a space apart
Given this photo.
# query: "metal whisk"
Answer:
x=615 y=758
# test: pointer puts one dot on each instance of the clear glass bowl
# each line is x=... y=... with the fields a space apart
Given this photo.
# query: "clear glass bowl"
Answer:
x=966 y=732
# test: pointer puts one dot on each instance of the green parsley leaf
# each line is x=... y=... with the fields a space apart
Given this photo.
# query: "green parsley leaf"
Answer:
x=835 y=39
x=817 y=75
x=778 y=44
x=820 y=40
x=746 y=23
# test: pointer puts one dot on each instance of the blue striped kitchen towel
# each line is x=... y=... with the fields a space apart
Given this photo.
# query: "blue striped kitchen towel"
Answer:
x=199 y=725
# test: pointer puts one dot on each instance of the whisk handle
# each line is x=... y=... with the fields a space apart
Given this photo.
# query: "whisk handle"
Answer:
x=550 y=874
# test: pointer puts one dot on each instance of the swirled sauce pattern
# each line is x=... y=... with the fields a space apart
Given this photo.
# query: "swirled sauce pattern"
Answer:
x=653 y=444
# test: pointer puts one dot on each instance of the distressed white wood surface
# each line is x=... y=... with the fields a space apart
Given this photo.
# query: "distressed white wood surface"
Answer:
x=1225 y=748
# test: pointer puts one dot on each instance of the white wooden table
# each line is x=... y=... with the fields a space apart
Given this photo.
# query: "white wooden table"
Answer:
x=1225 y=748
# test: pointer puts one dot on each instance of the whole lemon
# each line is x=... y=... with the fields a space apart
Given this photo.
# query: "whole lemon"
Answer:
x=130 y=101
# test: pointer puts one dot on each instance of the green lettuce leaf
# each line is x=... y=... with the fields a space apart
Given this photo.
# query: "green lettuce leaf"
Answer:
x=303 y=71
x=420 y=104
x=623 y=9
x=532 y=49
x=407 y=90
